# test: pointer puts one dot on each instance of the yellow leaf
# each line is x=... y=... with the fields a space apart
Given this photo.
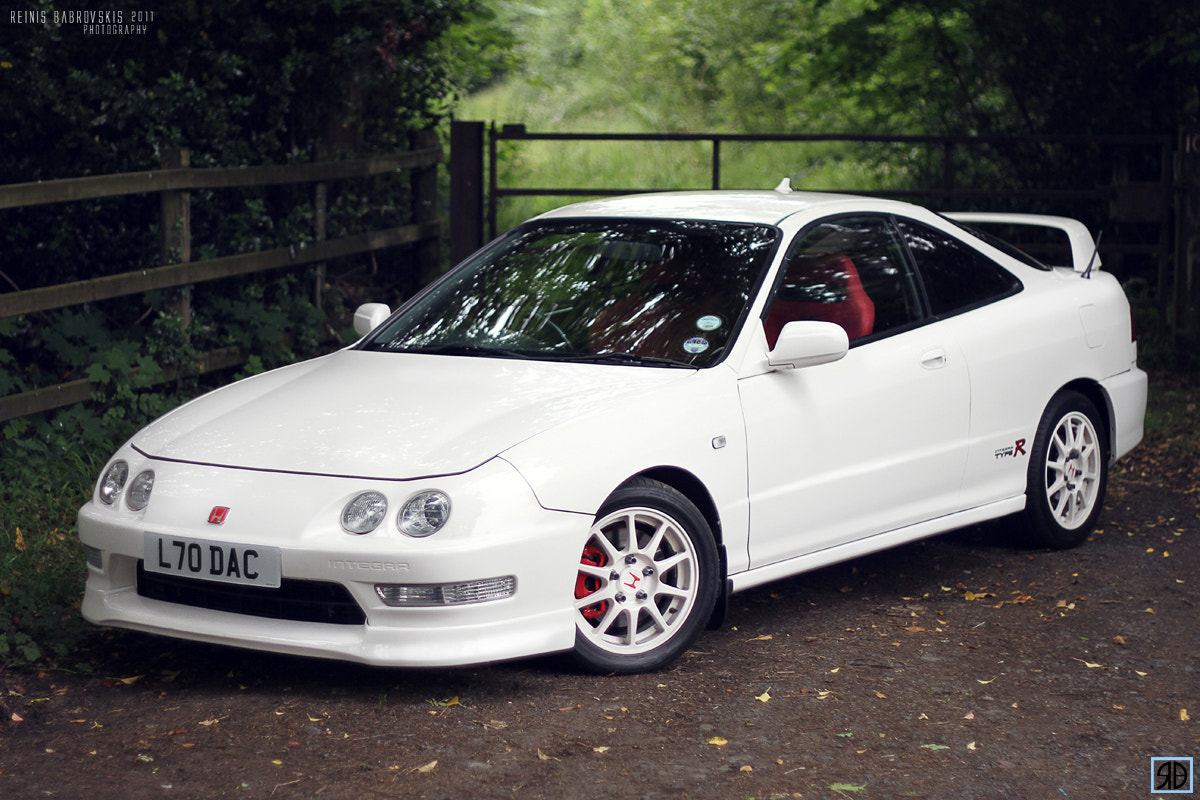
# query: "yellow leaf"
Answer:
x=432 y=765
x=276 y=762
x=970 y=745
x=746 y=768
x=969 y=715
x=1140 y=673
x=543 y=757
x=131 y=681
x=881 y=695
x=764 y=638
x=1090 y=664
x=835 y=670
x=602 y=749
x=212 y=721
x=985 y=683
x=764 y=697
x=1184 y=716
x=20 y=541
x=718 y=741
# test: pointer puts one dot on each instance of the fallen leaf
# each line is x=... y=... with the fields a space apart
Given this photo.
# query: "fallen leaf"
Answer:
x=935 y=747
x=969 y=715
x=1090 y=664
x=1184 y=716
x=214 y=721
x=845 y=787
x=745 y=768
x=277 y=762
x=432 y=765
x=718 y=741
x=601 y=749
x=764 y=638
x=970 y=745
x=881 y=695
x=764 y=697
x=985 y=683
x=914 y=629
x=543 y=757
x=17 y=717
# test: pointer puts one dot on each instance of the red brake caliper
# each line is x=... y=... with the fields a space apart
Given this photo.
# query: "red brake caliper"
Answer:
x=587 y=584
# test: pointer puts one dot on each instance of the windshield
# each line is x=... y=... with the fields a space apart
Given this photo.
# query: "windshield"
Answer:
x=654 y=292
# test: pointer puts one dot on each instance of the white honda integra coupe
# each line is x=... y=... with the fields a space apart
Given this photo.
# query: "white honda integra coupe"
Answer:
x=591 y=433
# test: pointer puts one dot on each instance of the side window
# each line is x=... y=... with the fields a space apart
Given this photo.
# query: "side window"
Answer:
x=957 y=277
x=847 y=270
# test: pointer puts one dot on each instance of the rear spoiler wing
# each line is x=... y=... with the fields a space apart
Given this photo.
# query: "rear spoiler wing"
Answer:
x=1085 y=255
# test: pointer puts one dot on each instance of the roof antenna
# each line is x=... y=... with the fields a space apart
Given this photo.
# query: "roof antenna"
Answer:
x=1087 y=273
x=785 y=186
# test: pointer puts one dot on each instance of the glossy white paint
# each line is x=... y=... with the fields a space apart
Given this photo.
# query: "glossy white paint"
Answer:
x=885 y=442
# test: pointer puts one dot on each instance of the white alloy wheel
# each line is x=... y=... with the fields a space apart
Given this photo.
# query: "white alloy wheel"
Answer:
x=1073 y=470
x=1068 y=472
x=646 y=582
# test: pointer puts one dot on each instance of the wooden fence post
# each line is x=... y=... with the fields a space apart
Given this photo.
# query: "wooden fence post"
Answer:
x=320 y=209
x=428 y=253
x=177 y=228
x=466 y=188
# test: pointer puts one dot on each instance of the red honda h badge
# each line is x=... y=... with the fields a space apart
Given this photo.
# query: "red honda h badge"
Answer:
x=218 y=515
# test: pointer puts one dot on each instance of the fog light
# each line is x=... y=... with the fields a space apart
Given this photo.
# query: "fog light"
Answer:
x=447 y=594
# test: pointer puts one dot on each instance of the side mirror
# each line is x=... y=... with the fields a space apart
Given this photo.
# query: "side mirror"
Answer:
x=806 y=344
x=370 y=316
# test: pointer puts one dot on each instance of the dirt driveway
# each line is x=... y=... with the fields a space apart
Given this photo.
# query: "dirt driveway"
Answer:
x=961 y=667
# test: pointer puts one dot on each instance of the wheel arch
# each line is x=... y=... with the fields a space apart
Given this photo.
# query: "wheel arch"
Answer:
x=695 y=491
x=1094 y=392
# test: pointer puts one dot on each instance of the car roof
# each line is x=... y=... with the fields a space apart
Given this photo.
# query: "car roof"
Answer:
x=763 y=207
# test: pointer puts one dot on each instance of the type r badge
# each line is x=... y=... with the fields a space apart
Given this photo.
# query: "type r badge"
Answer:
x=217 y=515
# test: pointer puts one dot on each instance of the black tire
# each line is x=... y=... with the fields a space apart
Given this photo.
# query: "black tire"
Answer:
x=1068 y=473
x=641 y=601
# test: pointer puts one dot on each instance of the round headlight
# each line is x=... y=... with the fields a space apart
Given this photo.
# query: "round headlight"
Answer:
x=424 y=514
x=139 y=490
x=364 y=513
x=112 y=482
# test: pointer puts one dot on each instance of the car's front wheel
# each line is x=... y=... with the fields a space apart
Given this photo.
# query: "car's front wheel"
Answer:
x=1068 y=472
x=647 y=580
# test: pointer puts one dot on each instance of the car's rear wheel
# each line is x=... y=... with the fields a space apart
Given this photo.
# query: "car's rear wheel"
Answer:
x=647 y=580
x=1068 y=472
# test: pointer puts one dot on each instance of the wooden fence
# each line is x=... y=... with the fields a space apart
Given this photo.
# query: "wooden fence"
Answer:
x=173 y=183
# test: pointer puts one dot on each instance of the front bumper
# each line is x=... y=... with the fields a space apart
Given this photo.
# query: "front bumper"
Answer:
x=497 y=529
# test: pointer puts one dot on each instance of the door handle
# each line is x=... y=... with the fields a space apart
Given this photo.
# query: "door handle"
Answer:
x=934 y=359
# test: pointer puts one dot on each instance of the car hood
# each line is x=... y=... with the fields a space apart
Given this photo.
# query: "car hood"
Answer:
x=387 y=415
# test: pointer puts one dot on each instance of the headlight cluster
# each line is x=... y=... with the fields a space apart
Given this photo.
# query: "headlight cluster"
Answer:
x=423 y=514
x=113 y=482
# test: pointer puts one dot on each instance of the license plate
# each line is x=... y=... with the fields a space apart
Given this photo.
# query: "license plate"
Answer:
x=204 y=559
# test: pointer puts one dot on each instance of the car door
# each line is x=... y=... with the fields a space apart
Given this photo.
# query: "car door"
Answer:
x=869 y=443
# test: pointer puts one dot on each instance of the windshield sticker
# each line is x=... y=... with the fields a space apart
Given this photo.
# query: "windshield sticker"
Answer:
x=695 y=345
x=709 y=322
